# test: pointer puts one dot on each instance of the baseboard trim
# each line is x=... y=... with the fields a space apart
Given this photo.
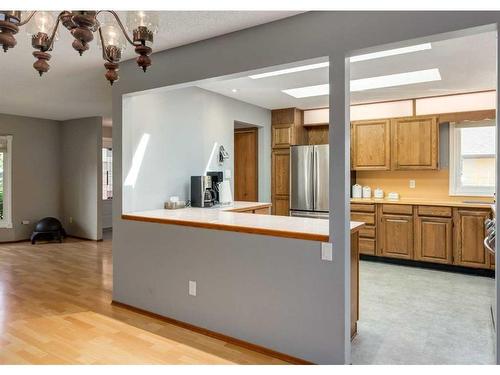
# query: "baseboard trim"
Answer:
x=428 y=265
x=216 y=335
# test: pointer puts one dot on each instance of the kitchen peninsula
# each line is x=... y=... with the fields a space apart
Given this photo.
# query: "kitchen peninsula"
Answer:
x=258 y=276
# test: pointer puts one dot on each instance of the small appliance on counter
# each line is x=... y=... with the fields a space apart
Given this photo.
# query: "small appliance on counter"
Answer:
x=378 y=193
x=174 y=203
x=357 y=191
x=202 y=192
x=217 y=178
x=393 y=196
x=367 y=192
x=225 y=196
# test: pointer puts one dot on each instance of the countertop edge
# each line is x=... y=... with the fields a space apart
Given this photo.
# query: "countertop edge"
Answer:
x=237 y=228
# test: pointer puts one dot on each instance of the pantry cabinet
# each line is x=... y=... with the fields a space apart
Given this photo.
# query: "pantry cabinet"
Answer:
x=280 y=181
x=370 y=145
x=415 y=143
x=469 y=235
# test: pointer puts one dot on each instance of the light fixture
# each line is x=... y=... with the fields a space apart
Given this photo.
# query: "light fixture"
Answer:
x=234 y=90
x=290 y=70
x=367 y=56
x=391 y=80
x=391 y=52
x=82 y=24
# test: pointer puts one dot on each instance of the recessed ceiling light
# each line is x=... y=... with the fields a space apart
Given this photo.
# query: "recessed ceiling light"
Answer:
x=234 y=90
x=290 y=70
x=400 y=79
x=391 y=52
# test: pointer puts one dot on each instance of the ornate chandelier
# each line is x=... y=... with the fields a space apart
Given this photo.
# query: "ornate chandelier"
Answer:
x=82 y=24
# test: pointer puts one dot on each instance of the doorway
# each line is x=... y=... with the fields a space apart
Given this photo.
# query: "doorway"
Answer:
x=246 y=164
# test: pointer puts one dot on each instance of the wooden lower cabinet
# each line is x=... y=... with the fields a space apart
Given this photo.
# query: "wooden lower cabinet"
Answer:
x=395 y=236
x=365 y=213
x=433 y=239
x=354 y=283
x=469 y=235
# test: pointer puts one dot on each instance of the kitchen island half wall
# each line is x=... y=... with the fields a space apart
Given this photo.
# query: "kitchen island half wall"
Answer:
x=272 y=291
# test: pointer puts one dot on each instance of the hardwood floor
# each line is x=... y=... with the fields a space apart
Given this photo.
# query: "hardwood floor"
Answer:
x=55 y=308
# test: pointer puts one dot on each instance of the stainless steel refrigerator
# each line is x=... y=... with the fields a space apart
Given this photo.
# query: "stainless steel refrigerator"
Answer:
x=309 y=184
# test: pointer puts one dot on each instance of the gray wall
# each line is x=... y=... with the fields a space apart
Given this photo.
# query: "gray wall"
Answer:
x=310 y=35
x=35 y=172
x=81 y=179
x=183 y=125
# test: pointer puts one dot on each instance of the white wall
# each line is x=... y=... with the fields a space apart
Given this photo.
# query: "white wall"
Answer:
x=81 y=184
x=183 y=125
x=35 y=172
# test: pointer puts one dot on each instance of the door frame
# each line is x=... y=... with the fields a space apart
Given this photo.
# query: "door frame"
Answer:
x=249 y=129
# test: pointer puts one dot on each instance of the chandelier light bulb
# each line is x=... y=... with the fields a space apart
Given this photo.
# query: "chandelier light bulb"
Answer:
x=42 y=22
x=147 y=19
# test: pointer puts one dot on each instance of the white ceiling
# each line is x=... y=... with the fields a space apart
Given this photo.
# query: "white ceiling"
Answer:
x=466 y=64
x=75 y=86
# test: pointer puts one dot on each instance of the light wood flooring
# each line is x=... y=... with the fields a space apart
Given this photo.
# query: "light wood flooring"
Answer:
x=55 y=308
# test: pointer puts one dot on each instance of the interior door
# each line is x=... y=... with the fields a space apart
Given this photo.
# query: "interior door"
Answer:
x=301 y=178
x=246 y=165
x=321 y=178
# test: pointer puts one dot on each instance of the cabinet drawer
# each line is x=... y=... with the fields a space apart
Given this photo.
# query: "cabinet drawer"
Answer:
x=262 y=211
x=366 y=218
x=399 y=209
x=367 y=232
x=362 y=207
x=434 y=211
x=367 y=246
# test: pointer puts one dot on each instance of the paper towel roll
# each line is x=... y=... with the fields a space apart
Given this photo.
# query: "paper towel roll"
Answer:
x=225 y=196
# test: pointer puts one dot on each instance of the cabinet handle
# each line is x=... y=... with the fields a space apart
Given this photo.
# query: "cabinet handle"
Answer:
x=397 y=221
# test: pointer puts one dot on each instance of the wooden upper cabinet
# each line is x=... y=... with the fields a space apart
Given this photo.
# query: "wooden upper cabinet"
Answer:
x=396 y=236
x=433 y=239
x=286 y=128
x=469 y=235
x=370 y=145
x=415 y=143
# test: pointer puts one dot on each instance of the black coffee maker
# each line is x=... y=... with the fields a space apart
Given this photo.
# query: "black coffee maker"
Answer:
x=202 y=192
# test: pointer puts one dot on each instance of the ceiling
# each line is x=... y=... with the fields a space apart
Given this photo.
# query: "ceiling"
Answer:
x=75 y=86
x=466 y=64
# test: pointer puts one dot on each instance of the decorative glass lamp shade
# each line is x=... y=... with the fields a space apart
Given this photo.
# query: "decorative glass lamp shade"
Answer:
x=42 y=22
x=145 y=19
x=112 y=36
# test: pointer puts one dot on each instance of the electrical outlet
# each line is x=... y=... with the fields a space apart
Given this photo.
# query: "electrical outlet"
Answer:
x=326 y=251
x=25 y=222
x=412 y=184
x=192 y=288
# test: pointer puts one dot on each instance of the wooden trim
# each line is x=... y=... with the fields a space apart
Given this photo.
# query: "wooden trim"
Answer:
x=469 y=115
x=233 y=228
x=219 y=336
x=250 y=208
x=314 y=124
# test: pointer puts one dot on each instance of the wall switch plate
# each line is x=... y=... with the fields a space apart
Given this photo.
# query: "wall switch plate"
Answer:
x=192 y=288
x=227 y=174
x=25 y=222
x=71 y=220
x=412 y=184
x=326 y=251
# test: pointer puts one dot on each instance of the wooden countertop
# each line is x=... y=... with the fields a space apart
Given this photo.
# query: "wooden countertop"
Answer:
x=228 y=218
x=424 y=202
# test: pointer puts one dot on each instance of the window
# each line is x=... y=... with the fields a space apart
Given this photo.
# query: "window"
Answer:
x=107 y=173
x=5 y=181
x=472 y=158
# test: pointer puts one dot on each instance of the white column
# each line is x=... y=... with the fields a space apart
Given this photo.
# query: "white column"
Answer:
x=339 y=139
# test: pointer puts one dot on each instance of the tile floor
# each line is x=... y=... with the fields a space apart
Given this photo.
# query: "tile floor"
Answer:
x=416 y=316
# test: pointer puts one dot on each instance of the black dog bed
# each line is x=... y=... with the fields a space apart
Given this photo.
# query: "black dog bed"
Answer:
x=48 y=229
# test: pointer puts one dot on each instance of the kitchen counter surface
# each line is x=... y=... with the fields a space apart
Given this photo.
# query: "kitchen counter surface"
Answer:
x=426 y=202
x=228 y=218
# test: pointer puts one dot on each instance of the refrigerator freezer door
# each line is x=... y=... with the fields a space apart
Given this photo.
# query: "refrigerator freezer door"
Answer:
x=321 y=180
x=301 y=175
x=310 y=214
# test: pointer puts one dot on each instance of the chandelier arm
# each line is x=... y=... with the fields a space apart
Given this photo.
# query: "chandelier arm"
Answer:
x=30 y=16
x=53 y=35
x=120 y=24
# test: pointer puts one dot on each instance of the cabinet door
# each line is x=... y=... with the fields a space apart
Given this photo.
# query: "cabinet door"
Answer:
x=415 y=143
x=280 y=181
x=282 y=136
x=396 y=236
x=370 y=145
x=469 y=235
x=433 y=239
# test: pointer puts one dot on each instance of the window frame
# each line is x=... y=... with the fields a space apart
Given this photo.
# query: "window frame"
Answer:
x=455 y=188
x=6 y=222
